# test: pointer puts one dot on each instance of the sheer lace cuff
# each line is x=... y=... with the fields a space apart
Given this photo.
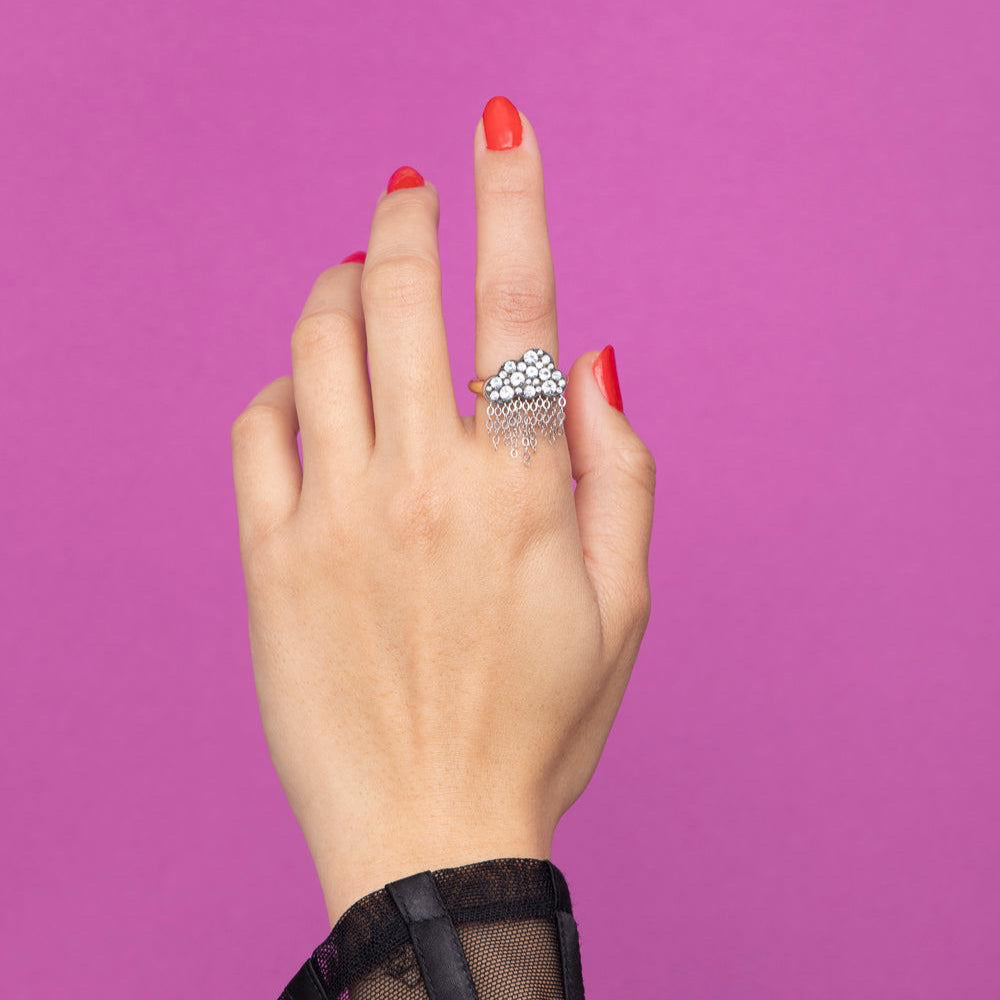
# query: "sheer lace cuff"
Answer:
x=496 y=930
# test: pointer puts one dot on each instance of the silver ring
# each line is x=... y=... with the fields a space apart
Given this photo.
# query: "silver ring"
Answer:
x=525 y=403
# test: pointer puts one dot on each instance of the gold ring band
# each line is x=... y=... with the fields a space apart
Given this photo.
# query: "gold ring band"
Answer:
x=476 y=385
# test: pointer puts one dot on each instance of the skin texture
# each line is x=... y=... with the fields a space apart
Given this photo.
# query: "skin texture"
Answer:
x=441 y=636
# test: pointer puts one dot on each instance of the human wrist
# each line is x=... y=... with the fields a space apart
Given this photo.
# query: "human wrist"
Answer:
x=350 y=867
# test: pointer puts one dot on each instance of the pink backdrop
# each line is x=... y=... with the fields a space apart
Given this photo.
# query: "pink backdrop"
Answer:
x=784 y=216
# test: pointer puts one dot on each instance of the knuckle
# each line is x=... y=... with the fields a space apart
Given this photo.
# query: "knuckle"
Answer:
x=628 y=610
x=638 y=465
x=328 y=276
x=532 y=516
x=262 y=562
x=266 y=561
x=513 y=182
x=316 y=334
x=255 y=419
x=327 y=538
x=529 y=521
x=419 y=513
x=400 y=282
x=416 y=201
x=519 y=299
x=641 y=606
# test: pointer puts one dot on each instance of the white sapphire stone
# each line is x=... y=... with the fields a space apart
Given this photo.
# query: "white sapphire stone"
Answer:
x=533 y=376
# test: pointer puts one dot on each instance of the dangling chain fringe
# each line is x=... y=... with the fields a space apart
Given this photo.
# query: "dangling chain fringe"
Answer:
x=520 y=423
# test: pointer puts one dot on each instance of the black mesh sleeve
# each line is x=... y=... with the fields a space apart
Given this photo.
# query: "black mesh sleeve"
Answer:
x=496 y=930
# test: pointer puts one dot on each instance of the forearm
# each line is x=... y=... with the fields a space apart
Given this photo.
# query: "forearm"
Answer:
x=420 y=833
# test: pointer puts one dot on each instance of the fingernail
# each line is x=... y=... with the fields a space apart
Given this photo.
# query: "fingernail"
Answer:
x=358 y=257
x=404 y=177
x=502 y=124
x=606 y=375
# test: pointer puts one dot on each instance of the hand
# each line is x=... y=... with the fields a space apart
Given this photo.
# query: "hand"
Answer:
x=441 y=634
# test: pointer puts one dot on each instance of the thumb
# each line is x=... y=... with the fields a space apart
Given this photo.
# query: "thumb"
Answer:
x=616 y=477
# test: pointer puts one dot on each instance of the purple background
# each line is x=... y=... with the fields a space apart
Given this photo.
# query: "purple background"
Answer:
x=783 y=215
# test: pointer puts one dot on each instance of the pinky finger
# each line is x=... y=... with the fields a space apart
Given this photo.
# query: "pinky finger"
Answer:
x=266 y=467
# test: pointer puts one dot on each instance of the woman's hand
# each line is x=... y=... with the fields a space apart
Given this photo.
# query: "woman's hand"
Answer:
x=441 y=634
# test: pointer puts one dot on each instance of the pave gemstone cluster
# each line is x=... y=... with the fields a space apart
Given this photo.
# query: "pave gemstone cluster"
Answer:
x=534 y=375
x=525 y=401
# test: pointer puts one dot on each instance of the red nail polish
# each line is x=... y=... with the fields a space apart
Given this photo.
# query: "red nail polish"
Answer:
x=358 y=257
x=404 y=177
x=502 y=124
x=606 y=375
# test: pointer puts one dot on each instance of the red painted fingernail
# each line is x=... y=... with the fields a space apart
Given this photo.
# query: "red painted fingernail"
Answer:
x=606 y=375
x=404 y=177
x=358 y=257
x=502 y=124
